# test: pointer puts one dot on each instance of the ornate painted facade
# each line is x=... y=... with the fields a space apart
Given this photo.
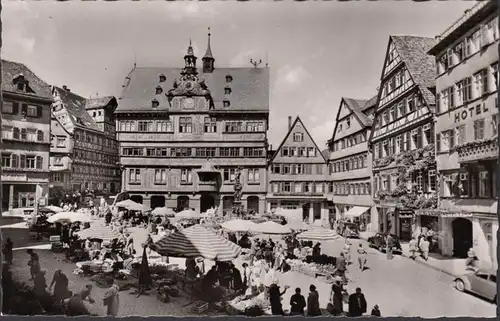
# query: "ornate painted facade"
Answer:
x=467 y=134
x=25 y=138
x=298 y=176
x=184 y=132
x=402 y=140
x=350 y=161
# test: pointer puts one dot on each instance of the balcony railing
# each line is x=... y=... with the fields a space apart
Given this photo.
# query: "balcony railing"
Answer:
x=299 y=194
x=477 y=150
x=28 y=139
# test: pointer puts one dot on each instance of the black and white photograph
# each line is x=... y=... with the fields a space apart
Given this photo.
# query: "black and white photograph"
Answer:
x=249 y=158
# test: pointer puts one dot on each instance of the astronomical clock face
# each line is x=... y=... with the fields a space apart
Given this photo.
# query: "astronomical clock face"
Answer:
x=188 y=103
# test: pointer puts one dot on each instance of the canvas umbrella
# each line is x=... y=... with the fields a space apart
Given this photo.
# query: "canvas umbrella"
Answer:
x=69 y=217
x=197 y=241
x=297 y=225
x=132 y=206
x=163 y=211
x=98 y=231
x=238 y=225
x=188 y=214
x=270 y=227
x=125 y=203
x=54 y=209
x=320 y=234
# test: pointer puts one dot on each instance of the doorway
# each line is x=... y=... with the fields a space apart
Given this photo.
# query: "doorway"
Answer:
x=207 y=201
x=182 y=203
x=305 y=212
x=462 y=237
x=253 y=204
x=157 y=201
x=136 y=198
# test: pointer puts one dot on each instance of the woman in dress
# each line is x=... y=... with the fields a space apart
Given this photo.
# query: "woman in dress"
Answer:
x=362 y=254
x=347 y=251
x=112 y=298
x=60 y=284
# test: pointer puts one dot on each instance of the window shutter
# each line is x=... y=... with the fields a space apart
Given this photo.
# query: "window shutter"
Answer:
x=14 y=160
x=15 y=108
x=39 y=161
x=24 y=109
x=431 y=134
x=23 y=161
x=438 y=142
x=419 y=137
x=408 y=141
x=39 y=111
x=438 y=102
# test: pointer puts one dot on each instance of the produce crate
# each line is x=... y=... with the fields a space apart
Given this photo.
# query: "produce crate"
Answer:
x=199 y=307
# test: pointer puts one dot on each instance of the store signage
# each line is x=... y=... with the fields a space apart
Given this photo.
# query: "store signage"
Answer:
x=14 y=177
x=456 y=215
x=405 y=216
x=470 y=112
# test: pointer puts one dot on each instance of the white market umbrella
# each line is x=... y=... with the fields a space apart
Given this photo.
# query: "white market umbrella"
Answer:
x=298 y=226
x=132 y=206
x=238 y=225
x=270 y=227
x=163 y=211
x=197 y=241
x=319 y=234
x=99 y=231
x=55 y=209
x=69 y=217
x=187 y=214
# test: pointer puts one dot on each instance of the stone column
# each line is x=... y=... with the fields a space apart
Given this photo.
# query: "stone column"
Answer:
x=11 y=196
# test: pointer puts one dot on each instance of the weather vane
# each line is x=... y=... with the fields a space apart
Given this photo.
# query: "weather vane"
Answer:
x=255 y=63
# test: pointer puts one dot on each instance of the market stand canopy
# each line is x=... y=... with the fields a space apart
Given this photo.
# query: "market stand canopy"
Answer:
x=238 y=225
x=298 y=226
x=270 y=227
x=163 y=211
x=52 y=208
x=188 y=214
x=132 y=206
x=197 y=241
x=99 y=231
x=69 y=217
x=356 y=211
x=320 y=234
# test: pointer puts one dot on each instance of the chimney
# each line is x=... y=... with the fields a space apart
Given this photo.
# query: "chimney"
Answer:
x=289 y=122
x=65 y=88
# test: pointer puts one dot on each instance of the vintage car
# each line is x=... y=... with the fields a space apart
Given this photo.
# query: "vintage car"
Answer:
x=482 y=282
x=351 y=230
x=378 y=241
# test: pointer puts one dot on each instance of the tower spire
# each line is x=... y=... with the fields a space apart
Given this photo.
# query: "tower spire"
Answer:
x=208 y=59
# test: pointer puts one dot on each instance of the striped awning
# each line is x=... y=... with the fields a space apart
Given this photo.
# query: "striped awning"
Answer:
x=320 y=234
x=197 y=241
x=99 y=231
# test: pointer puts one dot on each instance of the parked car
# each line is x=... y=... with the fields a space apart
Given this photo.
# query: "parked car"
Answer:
x=378 y=241
x=351 y=230
x=482 y=282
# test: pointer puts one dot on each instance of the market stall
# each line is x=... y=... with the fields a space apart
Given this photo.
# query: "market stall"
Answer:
x=163 y=211
x=270 y=227
x=188 y=214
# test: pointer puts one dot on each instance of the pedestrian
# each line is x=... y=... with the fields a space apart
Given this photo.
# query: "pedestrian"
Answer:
x=246 y=277
x=357 y=304
x=7 y=251
x=424 y=247
x=60 y=283
x=376 y=311
x=33 y=263
x=389 y=243
x=341 y=266
x=112 y=299
x=40 y=284
x=275 y=299
x=362 y=256
x=336 y=296
x=472 y=260
x=129 y=244
x=297 y=303
x=347 y=251
x=313 y=309
x=413 y=248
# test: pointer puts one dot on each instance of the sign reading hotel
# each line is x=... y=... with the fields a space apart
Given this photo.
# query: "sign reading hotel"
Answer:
x=470 y=112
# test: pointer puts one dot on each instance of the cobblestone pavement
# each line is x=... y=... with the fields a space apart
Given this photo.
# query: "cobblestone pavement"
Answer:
x=401 y=287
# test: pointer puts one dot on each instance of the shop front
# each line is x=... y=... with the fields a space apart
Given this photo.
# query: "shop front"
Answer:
x=406 y=220
x=387 y=220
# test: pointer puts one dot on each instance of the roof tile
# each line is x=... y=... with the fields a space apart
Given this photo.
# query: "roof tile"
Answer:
x=75 y=105
x=11 y=69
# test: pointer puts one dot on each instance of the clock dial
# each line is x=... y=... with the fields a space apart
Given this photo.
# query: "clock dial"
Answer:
x=189 y=103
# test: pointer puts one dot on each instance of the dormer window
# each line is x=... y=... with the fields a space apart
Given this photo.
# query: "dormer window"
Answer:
x=229 y=78
x=163 y=78
x=226 y=103
x=159 y=90
x=154 y=103
x=227 y=90
x=20 y=86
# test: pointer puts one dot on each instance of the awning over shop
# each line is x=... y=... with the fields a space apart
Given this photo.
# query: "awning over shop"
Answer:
x=356 y=211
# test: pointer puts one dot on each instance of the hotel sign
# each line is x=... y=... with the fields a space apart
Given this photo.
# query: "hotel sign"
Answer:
x=470 y=112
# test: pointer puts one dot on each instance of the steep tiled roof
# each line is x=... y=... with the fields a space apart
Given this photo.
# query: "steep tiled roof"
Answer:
x=370 y=103
x=11 y=70
x=413 y=51
x=357 y=106
x=75 y=105
x=97 y=102
x=326 y=153
x=249 y=88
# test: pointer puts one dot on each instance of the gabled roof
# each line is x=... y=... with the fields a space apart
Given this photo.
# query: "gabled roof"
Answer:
x=75 y=106
x=290 y=130
x=11 y=70
x=413 y=51
x=249 y=88
x=357 y=106
x=98 y=102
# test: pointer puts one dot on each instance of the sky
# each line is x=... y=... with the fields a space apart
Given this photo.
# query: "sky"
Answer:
x=317 y=52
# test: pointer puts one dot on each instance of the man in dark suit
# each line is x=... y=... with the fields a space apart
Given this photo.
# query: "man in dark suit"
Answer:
x=357 y=304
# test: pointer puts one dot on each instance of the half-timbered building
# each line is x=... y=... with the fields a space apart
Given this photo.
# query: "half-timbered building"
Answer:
x=350 y=161
x=467 y=134
x=298 y=176
x=402 y=140
x=184 y=132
